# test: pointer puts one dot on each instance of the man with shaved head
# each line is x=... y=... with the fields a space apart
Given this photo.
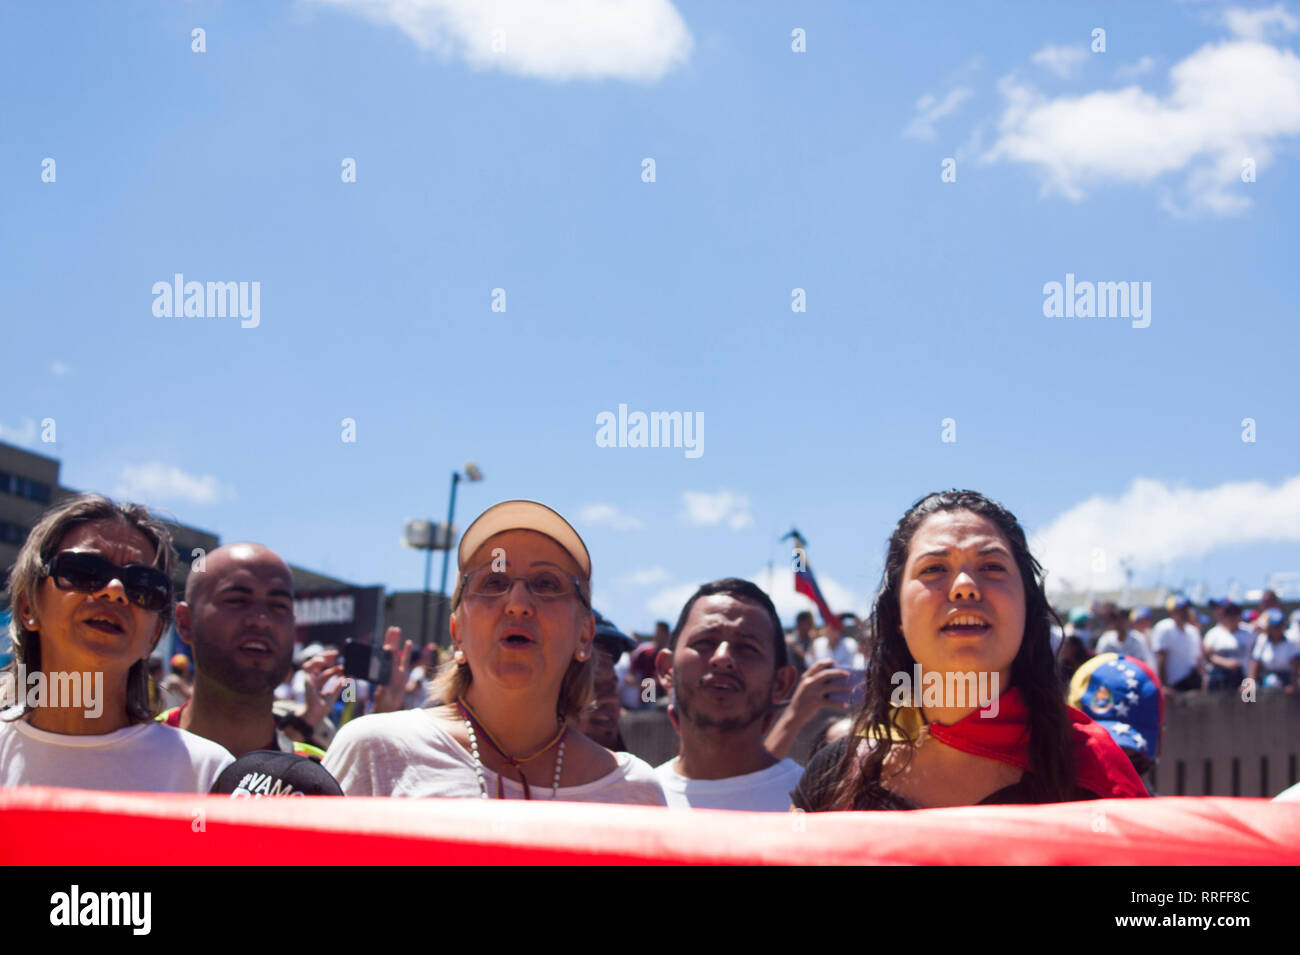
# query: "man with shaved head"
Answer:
x=238 y=618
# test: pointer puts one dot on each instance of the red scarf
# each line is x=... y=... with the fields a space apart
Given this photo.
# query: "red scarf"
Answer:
x=1100 y=765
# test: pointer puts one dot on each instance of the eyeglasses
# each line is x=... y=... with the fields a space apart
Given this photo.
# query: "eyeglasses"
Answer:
x=543 y=584
x=146 y=587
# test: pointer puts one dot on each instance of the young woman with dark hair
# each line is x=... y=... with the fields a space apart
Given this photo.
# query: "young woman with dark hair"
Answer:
x=963 y=598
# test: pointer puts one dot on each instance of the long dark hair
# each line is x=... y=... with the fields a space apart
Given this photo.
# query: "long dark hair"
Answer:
x=1033 y=671
x=39 y=549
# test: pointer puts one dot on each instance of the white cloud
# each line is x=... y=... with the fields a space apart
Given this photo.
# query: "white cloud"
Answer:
x=1151 y=524
x=638 y=40
x=607 y=515
x=643 y=578
x=668 y=602
x=1131 y=70
x=1227 y=102
x=1061 y=60
x=155 y=481
x=1258 y=24
x=59 y=368
x=24 y=434
x=930 y=110
x=709 y=510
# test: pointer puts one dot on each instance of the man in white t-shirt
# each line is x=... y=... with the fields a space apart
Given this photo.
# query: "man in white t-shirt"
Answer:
x=841 y=650
x=1227 y=647
x=727 y=666
x=1275 y=660
x=1134 y=643
x=1176 y=643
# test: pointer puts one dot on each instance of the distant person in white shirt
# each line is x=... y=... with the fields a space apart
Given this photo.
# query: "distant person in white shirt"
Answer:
x=727 y=665
x=1227 y=647
x=92 y=593
x=1275 y=661
x=836 y=645
x=1177 y=646
x=1134 y=642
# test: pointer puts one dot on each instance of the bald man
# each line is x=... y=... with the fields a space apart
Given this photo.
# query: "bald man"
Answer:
x=238 y=618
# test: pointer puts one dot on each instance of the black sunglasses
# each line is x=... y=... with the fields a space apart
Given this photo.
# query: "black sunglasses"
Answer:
x=146 y=587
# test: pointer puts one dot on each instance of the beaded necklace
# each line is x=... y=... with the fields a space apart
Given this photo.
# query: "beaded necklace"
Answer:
x=472 y=721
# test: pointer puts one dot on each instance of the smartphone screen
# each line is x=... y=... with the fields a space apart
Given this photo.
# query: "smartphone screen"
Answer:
x=853 y=690
x=361 y=661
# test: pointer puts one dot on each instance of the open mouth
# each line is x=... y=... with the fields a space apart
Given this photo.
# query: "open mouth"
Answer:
x=966 y=625
x=517 y=639
x=105 y=624
x=257 y=647
x=723 y=685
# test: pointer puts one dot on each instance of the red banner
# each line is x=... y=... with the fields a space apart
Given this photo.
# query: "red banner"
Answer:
x=75 y=827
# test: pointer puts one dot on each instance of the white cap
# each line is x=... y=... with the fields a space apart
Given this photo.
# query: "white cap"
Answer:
x=521 y=516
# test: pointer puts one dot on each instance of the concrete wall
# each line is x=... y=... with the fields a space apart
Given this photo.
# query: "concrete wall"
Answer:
x=1216 y=745
x=1213 y=745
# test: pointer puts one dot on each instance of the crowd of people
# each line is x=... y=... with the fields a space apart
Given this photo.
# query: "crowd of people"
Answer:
x=527 y=703
x=1222 y=648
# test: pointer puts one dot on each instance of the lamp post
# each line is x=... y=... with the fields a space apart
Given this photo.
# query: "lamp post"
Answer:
x=472 y=473
x=428 y=536
x=423 y=535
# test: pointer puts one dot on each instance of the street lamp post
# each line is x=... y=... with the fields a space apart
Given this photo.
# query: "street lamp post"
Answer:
x=424 y=604
x=472 y=473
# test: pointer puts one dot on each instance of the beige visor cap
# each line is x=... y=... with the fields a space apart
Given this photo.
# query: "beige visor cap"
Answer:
x=521 y=516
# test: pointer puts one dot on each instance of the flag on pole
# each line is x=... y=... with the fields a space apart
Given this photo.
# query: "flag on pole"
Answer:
x=805 y=583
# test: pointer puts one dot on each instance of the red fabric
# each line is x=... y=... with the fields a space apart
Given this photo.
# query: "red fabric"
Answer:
x=75 y=827
x=1100 y=765
x=805 y=583
x=173 y=716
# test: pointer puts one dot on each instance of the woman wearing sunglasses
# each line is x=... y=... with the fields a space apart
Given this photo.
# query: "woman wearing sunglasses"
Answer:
x=521 y=632
x=90 y=594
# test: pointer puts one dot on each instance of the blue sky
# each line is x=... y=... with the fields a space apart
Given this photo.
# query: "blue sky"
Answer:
x=520 y=167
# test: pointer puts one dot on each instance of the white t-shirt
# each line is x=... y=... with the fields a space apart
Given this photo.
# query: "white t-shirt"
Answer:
x=144 y=758
x=767 y=790
x=1244 y=638
x=1275 y=657
x=1133 y=645
x=1223 y=642
x=1183 y=646
x=415 y=700
x=1289 y=795
x=408 y=753
x=845 y=656
x=629 y=694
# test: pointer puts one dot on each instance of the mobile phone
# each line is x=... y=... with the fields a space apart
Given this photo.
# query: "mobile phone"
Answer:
x=854 y=689
x=361 y=661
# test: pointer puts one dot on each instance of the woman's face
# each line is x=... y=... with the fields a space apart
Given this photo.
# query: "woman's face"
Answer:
x=520 y=640
x=101 y=631
x=961 y=597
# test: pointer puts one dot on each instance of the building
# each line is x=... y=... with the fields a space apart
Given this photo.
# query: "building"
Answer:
x=329 y=610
